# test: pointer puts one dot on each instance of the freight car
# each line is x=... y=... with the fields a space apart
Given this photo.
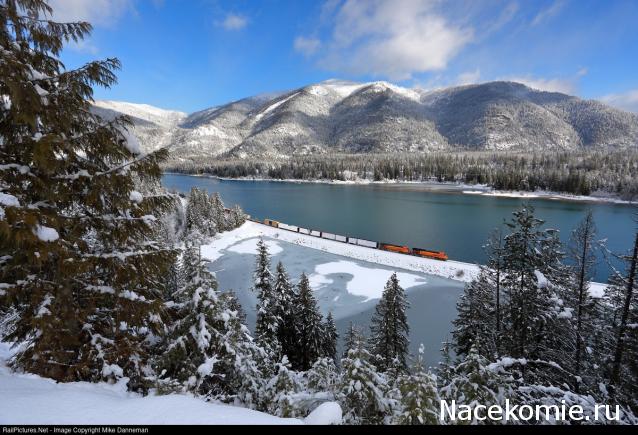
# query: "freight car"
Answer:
x=437 y=255
x=394 y=248
x=271 y=223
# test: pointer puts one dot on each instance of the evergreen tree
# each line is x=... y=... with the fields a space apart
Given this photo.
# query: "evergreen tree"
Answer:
x=200 y=216
x=235 y=305
x=420 y=402
x=584 y=258
x=323 y=376
x=389 y=327
x=623 y=369
x=330 y=337
x=285 y=298
x=363 y=390
x=208 y=350
x=268 y=309
x=75 y=237
x=309 y=331
x=354 y=336
x=474 y=321
x=474 y=383
x=494 y=270
x=281 y=391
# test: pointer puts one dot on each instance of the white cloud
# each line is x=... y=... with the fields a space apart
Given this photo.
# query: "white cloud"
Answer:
x=563 y=85
x=96 y=12
x=626 y=101
x=392 y=38
x=548 y=12
x=469 y=77
x=306 y=46
x=234 y=22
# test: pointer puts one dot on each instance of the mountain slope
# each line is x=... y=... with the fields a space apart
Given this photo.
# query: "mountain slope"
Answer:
x=348 y=117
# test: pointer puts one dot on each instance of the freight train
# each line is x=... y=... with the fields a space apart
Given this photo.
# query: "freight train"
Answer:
x=418 y=252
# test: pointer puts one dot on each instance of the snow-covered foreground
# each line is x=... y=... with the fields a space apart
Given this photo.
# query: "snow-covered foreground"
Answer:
x=30 y=399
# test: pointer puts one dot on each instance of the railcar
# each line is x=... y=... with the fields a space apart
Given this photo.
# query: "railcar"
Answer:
x=271 y=223
x=394 y=248
x=437 y=255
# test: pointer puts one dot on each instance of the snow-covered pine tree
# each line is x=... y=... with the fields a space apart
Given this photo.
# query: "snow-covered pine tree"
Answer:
x=474 y=321
x=526 y=289
x=420 y=401
x=354 y=335
x=285 y=299
x=236 y=217
x=494 y=270
x=208 y=350
x=281 y=390
x=389 y=330
x=268 y=309
x=308 y=326
x=200 y=216
x=582 y=252
x=75 y=237
x=445 y=368
x=623 y=365
x=330 y=337
x=474 y=382
x=235 y=305
x=323 y=376
x=362 y=392
x=218 y=213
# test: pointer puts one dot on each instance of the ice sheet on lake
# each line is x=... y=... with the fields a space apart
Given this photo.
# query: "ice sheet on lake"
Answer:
x=365 y=281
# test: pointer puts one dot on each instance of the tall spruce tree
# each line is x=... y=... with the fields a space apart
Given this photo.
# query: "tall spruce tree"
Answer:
x=582 y=252
x=353 y=336
x=494 y=270
x=623 y=369
x=75 y=236
x=268 y=309
x=389 y=330
x=474 y=322
x=330 y=337
x=285 y=297
x=308 y=326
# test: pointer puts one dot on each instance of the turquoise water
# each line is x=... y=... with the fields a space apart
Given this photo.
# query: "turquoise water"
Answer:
x=406 y=214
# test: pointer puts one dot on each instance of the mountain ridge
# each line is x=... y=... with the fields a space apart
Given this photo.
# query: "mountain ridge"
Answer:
x=380 y=117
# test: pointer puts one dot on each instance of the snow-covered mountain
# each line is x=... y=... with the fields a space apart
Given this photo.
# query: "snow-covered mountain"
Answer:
x=341 y=116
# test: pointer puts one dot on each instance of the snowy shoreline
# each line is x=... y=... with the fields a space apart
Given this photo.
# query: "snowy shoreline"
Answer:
x=451 y=269
x=436 y=186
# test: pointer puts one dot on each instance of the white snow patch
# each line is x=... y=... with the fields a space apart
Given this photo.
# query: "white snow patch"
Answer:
x=136 y=197
x=327 y=413
x=46 y=234
x=366 y=282
x=9 y=200
x=250 y=247
x=30 y=399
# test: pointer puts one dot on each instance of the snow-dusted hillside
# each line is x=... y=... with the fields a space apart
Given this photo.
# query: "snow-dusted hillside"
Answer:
x=349 y=117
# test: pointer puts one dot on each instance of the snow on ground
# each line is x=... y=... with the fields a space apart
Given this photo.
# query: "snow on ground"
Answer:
x=365 y=281
x=446 y=269
x=456 y=270
x=250 y=247
x=30 y=399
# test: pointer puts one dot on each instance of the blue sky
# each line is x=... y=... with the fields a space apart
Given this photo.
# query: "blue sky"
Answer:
x=192 y=54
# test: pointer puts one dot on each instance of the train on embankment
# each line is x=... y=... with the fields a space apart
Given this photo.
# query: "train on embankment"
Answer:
x=418 y=252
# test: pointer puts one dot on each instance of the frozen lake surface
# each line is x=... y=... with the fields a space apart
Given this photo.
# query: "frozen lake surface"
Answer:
x=347 y=287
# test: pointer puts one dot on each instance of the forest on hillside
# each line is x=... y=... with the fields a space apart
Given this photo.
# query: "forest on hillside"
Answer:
x=613 y=173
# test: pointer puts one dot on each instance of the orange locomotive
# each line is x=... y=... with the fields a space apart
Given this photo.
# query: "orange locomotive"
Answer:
x=437 y=255
x=394 y=248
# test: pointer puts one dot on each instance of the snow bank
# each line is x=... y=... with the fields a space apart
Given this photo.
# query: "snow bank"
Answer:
x=324 y=414
x=30 y=399
x=365 y=281
x=46 y=234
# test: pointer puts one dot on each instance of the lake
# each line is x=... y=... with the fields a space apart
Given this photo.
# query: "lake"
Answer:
x=412 y=215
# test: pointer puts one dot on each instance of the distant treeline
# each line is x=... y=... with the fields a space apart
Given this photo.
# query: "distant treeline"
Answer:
x=581 y=173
